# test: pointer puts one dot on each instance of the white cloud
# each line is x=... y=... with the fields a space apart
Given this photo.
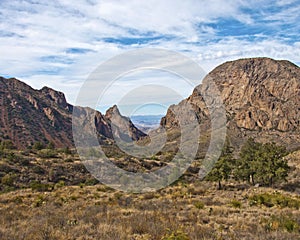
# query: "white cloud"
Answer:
x=47 y=42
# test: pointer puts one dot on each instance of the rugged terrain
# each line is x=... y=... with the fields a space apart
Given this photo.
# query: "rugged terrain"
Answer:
x=261 y=97
x=47 y=208
x=28 y=116
x=47 y=193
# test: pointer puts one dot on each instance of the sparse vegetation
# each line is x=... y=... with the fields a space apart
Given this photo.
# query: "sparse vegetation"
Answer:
x=49 y=208
x=276 y=223
x=275 y=199
x=199 y=205
x=176 y=235
x=236 y=204
x=47 y=153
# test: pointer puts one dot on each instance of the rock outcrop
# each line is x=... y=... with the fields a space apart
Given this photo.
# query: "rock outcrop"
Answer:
x=261 y=97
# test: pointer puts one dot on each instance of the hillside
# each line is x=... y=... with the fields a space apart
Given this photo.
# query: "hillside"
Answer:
x=28 y=116
x=36 y=202
x=261 y=97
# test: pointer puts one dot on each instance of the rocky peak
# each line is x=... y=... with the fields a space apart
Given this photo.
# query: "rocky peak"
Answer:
x=121 y=126
x=57 y=97
x=113 y=111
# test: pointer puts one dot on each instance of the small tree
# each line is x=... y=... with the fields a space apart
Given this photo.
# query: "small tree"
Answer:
x=223 y=167
x=271 y=165
x=245 y=167
x=261 y=163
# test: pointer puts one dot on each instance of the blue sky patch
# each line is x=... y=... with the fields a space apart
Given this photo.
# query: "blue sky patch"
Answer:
x=78 y=50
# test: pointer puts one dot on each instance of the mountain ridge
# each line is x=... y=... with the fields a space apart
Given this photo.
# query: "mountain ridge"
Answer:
x=261 y=97
x=29 y=115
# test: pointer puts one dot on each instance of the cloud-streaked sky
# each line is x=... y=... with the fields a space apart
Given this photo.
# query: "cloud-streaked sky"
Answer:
x=59 y=43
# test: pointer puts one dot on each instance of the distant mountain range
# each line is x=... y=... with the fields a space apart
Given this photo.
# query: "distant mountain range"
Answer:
x=261 y=97
x=146 y=123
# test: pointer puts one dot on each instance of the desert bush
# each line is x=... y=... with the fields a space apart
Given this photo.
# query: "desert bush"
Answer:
x=236 y=204
x=6 y=145
x=50 y=145
x=38 y=169
x=8 y=179
x=275 y=223
x=41 y=187
x=67 y=151
x=47 y=153
x=60 y=184
x=69 y=160
x=175 y=235
x=199 y=205
x=277 y=199
x=38 y=146
x=150 y=195
x=40 y=200
x=91 y=181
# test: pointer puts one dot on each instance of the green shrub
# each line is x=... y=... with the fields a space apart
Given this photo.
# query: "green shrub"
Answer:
x=38 y=170
x=69 y=160
x=175 y=235
x=41 y=187
x=39 y=201
x=277 y=199
x=38 y=146
x=60 y=184
x=50 y=145
x=47 y=153
x=67 y=151
x=199 y=205
x=91 y=181
x=8 y=179
x=16 y=159
x=275 y=223
x=6 y=145
x=236 y=204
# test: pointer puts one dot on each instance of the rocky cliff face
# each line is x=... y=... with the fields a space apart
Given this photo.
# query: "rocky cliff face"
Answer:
x=28 y=115
x=121 y=126
x=261 y=97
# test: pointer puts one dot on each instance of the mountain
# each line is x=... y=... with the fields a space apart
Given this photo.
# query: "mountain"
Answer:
x=146 y=123
x=261 y=97
x=28 y=116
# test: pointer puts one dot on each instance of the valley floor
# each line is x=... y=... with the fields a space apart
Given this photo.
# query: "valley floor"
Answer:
x=182 y=211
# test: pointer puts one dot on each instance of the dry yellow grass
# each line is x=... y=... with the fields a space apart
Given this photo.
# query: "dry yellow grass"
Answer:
x=96 y=212
x=182 y=211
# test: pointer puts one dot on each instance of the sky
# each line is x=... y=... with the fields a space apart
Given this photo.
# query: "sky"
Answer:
x=60 y=43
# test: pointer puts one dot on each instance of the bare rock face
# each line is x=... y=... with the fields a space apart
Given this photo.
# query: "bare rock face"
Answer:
x=122 y=127
x=55 y=96
x=28 y=116
x=261 y=97
x=262 y=93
